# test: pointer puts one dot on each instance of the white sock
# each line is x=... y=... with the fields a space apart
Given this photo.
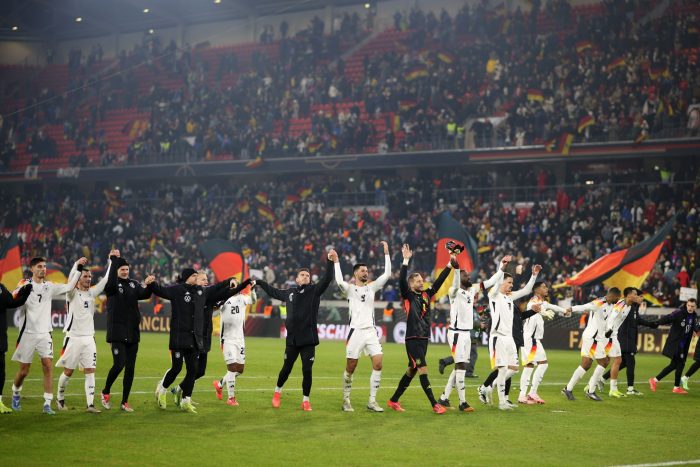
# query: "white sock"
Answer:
x=63 y=381
x=597 y=374
x=501 y=384
x=459 y=383
x=629 y=388
x=575 y=378
x=347 y=385
x=90 y=388
x=538 y=376
x=278 y=389
x=374 y=381
x=185 y=400
x=448 y=387
x=230 y=379
x=613 y=384
x=161 y=388
x=305 y=399
x=16 y=391
x=48 y=397
x=525 y=380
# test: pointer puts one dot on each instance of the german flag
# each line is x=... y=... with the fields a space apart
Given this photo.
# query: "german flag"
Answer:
x=450 y=229
x=314 y=147
x=535 y=95
x=305 y=192
x=585 y=122
x=255 y=163
x=262 y=197
x=224 y=259
x=10 y=263
x=625 y=268
x=415 y=72
x=407 y=105
x=566 y=140
x=56 y=273
x=550 y=145
x=617 y=63
x=243 y=206
x=582 y=46
x=260 y=148
x=266 y=212
x=446 y=57
x=292 y=199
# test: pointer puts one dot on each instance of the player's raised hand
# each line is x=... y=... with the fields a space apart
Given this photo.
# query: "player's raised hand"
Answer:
x=453 y=261
x=252 y=283
x=150 y=279
x=406 y=251
x=386 y=247
x=536 y=269
x=568 y=312
x=82 y=261
x=333 y=256
x=504 y=262
x=233 y=283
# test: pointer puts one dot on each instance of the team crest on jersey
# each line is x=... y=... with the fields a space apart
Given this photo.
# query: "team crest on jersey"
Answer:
x=683 y=323
x=132 y=285
x=188 y=298
x=121 y=290
x=199 y=292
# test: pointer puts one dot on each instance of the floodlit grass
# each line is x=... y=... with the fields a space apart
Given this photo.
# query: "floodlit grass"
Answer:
x=654 y=428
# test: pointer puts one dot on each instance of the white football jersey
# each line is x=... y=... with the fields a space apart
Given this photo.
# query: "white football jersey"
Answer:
x=81 y=309
x=599 y=310
x=617 y=315
x=35 y=314
x=233 y=316
x=361 y=298
x=503 y=308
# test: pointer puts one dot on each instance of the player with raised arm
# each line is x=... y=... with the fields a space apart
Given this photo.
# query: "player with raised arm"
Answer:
x=615 y=319
x=35 y=332
x=362 y=338
x=593 y=343
x=532 y=353
x=187 y=309
x=123 y=332
x=416 y=304
x=504 y=353
x=463 y=295
x=302 y=302
x=233 y=313
x=79 y=349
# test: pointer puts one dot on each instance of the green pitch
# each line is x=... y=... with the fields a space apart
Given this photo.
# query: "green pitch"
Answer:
x=654 y=428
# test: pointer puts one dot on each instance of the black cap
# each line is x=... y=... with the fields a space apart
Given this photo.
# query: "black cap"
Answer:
x=186 y=273
x=119 y=262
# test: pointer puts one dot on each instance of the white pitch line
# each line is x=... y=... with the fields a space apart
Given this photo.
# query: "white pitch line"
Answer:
x=661 y=464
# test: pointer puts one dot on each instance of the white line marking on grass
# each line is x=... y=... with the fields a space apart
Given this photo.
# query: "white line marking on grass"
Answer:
x=661 y=464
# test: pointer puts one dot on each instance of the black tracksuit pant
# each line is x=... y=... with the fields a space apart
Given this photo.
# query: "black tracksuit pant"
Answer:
x=191 y=359
x=291 y=353
x=124 y=356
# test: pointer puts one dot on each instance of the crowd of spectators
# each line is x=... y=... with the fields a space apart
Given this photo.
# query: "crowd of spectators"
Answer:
x=159 y=228
x=487 y=77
